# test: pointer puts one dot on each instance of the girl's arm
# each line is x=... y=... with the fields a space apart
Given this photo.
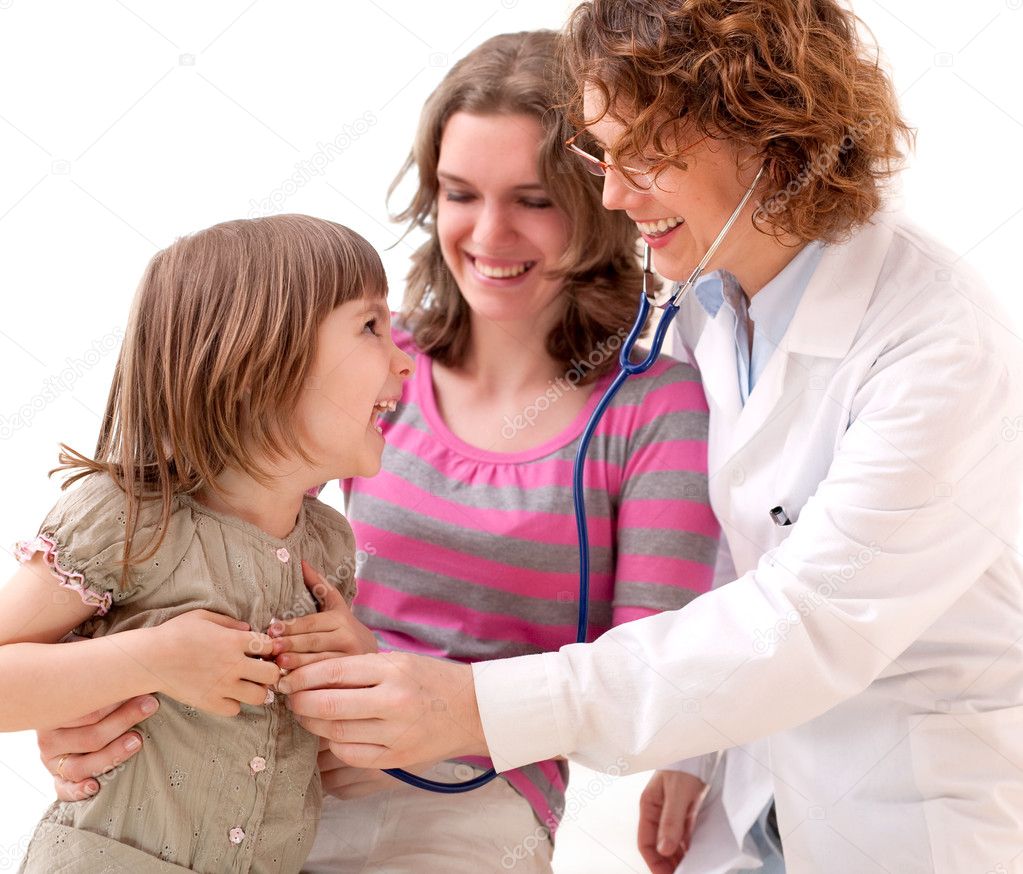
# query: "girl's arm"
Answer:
x=44 y=686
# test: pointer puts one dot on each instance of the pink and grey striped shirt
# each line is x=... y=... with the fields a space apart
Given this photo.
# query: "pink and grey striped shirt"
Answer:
x=471 y=554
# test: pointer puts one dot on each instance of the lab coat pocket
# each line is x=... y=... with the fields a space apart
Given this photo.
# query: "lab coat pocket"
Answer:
x=969 y=770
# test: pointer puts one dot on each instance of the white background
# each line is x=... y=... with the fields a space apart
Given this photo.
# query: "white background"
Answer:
x=125 y=124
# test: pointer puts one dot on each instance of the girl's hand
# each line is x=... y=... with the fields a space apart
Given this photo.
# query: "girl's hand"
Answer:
x=667 y=814
x=212 y=662
x=332 y=632
x=78 y=753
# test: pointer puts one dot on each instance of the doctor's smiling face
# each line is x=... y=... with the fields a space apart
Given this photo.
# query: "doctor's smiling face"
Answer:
x=680 y=212
x=789 y=86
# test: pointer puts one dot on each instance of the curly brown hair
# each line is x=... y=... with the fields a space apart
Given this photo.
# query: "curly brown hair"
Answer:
x=790 y=80
x=509 y=74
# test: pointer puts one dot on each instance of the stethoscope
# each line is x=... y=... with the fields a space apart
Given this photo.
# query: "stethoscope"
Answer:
x=627 y=368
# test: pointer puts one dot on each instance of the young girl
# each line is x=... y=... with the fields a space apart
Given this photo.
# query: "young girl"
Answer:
x=256 y=361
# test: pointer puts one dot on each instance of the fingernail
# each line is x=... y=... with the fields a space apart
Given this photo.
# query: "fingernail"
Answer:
x=133 y=743
x=663 y=847
x=91 y=788
x=150 y=706
x=283 y=686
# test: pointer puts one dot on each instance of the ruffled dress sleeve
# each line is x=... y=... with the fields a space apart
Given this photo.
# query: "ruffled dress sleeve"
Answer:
x=82 y=542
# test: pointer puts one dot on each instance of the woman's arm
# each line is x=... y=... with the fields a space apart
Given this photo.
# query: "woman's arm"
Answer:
x=45 y=686
x=919 y=473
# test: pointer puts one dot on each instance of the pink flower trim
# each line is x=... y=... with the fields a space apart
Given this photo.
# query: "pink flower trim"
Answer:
x=25 y=549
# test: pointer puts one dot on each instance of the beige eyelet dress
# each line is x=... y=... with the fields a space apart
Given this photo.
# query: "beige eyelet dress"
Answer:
x=205 y=793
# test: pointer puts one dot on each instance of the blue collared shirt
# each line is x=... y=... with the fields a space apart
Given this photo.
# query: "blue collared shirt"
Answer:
x=770 y=311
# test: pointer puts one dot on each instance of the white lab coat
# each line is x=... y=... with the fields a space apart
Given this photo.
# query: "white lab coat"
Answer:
x=876 y=642
x=739 y=780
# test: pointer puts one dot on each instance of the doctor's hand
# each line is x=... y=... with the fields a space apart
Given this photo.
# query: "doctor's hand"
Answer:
x=331 y=632
x=345 y=782
x=667 y=814
x=388 y=710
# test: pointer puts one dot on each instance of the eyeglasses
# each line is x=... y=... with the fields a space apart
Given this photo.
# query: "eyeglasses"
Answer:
x=641 y=181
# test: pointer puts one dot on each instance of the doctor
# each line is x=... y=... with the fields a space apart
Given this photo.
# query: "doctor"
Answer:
x=862 y=387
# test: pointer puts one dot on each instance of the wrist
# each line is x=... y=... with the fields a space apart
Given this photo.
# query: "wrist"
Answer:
x=469 y=712
x=148 y=650
x=365 y=639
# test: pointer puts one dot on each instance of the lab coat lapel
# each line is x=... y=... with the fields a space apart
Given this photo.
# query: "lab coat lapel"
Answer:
x=763 y=400
x=823 y=327
x=715 y=357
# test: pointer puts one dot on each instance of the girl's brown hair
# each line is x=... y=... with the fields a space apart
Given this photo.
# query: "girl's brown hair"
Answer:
x=220 y=340
x=520 y=73
x=789 y=80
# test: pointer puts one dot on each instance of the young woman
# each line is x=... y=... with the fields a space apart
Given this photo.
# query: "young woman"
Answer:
x=516 y=307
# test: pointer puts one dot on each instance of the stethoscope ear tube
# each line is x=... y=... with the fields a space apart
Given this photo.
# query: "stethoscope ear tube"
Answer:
x=627 y=369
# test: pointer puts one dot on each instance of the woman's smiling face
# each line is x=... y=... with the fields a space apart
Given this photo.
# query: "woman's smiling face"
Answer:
x=498 y=229
x=683 y=211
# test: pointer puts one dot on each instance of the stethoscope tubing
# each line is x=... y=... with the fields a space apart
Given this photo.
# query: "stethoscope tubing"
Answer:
x=627 y=368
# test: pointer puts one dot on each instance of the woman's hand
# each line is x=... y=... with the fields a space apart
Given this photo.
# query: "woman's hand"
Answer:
x=212 y=662
x=388 y=710
x=80 y=752
x=667 y=814
x=332 y=632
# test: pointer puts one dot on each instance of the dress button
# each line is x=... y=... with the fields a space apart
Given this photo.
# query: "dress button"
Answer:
x=270 y=698
x=283 y=554
x=463 y=772
x=258 y=764
x=236 y=835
